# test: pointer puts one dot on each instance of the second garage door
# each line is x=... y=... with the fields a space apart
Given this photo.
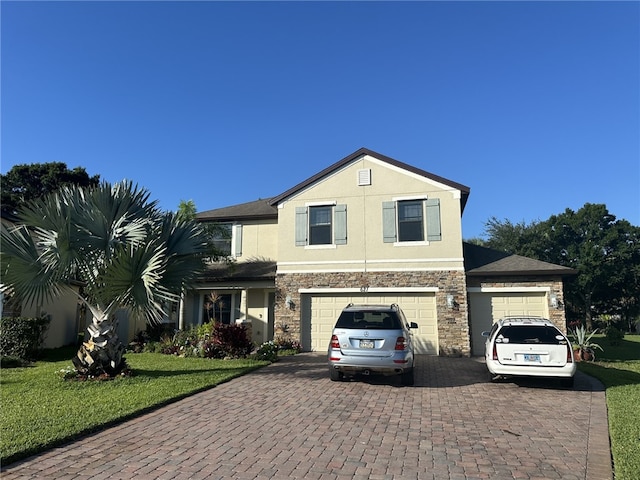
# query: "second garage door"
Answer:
x=320 y=312
x=486 y=308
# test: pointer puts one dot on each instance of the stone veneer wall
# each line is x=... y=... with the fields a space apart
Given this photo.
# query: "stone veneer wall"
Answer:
x=453 y=324
x=555 y=284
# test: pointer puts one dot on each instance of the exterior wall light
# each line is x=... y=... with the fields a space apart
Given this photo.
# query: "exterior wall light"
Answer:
x=554 y=302
x=289 y=302
x=451 y=303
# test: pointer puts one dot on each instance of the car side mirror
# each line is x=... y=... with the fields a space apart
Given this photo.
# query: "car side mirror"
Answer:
x=413 y=325
x=485 y=334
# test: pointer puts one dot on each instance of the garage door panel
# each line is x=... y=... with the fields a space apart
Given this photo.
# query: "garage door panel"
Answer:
x=320 y=313
x=487 y=308
x=425 y=345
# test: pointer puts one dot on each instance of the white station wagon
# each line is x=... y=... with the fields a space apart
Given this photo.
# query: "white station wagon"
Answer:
x=529 y=346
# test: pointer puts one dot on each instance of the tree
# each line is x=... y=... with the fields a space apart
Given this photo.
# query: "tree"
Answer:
x=24 y=183
x=117 y=244
x=604 y=251
x=515 y=238
x=186 y=210
x=216 y=233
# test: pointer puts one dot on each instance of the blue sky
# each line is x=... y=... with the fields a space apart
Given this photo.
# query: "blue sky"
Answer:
x=533 y=105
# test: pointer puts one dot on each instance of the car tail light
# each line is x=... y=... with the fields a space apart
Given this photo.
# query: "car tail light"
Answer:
x=495 y=352
x=335 y=343
x=569 y=353
x=401 y=343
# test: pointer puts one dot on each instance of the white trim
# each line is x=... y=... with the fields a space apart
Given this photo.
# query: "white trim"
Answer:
x=327 y=203
x=325 y=262
x=362 y=270
x=408 y=198
x=507 y=289
x=321 y=290
x=422 y=243
x=362 y=262
x=417 y=260
x=326 y=246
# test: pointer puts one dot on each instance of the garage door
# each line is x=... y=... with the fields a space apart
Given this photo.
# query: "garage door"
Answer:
x=320 y=312
x=486 y=308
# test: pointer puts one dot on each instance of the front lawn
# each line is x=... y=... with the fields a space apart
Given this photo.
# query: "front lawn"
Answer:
x=618 y=368
x=40 y=410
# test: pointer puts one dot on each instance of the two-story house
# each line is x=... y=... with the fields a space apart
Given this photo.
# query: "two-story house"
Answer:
x=368 y=229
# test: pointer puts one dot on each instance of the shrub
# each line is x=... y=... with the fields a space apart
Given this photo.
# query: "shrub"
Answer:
x=232 y=339
x=22 y=337
x=614 y=336
x=267 y=351
x=211 y=349
x=12 y=362
x=205 y=341
x=288 y=344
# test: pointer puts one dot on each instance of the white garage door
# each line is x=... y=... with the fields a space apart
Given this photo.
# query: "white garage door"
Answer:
x=487 y=308
x=320 y=312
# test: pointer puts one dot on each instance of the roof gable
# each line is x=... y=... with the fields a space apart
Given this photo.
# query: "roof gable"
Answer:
x=359 y=153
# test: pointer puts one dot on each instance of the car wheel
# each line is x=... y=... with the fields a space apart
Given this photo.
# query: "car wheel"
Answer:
x=335 y=375
x=567 y=382
x=407 y=378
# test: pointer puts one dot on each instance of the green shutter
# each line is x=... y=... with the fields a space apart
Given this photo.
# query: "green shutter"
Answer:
x=301 y=226
x=238 y=240
x=340 y=224
x=389 y=222
x=434 y=228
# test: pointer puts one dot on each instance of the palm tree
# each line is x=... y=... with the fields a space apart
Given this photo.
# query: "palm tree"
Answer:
x=122 y=249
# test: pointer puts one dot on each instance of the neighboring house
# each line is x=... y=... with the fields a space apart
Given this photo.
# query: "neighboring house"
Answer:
x=368 y=229
x=67 y=318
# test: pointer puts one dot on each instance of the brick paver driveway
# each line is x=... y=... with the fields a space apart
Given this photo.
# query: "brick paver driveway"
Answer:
x=289 y=420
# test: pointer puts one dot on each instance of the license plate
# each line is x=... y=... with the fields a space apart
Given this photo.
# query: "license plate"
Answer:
x=366 y=343
x=532 y=358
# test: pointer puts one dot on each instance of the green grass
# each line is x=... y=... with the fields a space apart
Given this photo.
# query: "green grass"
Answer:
x=40 y=410
x=618 y=368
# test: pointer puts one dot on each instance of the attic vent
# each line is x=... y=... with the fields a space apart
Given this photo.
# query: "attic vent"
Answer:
x=364 y=177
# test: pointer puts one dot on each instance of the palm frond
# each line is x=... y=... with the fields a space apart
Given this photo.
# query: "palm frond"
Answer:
x=113 y=239
x=24 y=273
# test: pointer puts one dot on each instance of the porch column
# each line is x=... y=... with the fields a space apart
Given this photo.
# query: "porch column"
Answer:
x=243 y=305
x=181 y=308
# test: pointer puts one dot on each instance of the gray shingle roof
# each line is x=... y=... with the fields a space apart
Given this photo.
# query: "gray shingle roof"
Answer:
x=487 y=262
x=245 y=271
x=258 y=209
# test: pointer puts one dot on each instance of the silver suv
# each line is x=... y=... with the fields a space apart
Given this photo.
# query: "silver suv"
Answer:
x=372 y=339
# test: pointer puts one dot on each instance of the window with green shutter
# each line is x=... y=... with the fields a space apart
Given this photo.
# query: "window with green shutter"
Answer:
x=321 y=225
x=411 y=220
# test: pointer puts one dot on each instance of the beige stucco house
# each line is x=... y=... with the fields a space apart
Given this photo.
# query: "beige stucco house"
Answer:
x=367 y=229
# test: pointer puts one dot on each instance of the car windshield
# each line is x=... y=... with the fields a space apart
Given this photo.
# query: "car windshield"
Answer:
x=369 y=319
x=545 y=335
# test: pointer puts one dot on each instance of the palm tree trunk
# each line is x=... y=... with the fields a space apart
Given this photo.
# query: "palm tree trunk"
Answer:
x=103 y=352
